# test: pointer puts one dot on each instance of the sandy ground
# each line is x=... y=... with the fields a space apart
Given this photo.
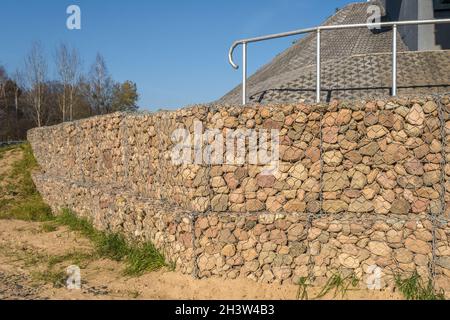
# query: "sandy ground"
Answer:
x=25 y=249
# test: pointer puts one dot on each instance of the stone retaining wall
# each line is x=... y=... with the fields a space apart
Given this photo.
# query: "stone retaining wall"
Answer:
x=359 y=184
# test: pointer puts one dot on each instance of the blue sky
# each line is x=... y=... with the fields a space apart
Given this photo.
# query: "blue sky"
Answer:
x=175 y=50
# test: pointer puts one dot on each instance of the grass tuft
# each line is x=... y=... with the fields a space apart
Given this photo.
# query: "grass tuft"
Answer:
x=143 y=258
x=302 y=292
x=55 y=278
x=414 y=288
x=139 y=258
x=49 y=227
x=31 y=209
x=339 y=284
x=81 y=225
x=112 y=246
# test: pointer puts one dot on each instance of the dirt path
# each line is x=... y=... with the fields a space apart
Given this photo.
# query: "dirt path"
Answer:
x=32 y=257
x=7 y=159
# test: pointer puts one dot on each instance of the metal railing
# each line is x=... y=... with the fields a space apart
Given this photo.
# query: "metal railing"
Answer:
x=319 y=30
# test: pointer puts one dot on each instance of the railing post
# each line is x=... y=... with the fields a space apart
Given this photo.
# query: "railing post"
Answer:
x=394 y=61
x=244 y=73
x=318 y=80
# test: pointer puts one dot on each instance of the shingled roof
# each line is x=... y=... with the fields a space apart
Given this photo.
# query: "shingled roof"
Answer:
x=356 y=64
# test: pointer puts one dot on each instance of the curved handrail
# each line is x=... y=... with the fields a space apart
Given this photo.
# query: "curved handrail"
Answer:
x=324 y=28
x=230 y=54
x=263 y=38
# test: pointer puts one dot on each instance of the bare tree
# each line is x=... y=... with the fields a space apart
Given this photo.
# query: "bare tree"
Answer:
x=18 y=79
x=2 y=73
x=3 y=96
x=100 y=88
x=68 y=65
x=36 y=74
x=3 y=81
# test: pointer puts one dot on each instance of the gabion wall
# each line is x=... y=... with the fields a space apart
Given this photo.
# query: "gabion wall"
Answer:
x=359 y=184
